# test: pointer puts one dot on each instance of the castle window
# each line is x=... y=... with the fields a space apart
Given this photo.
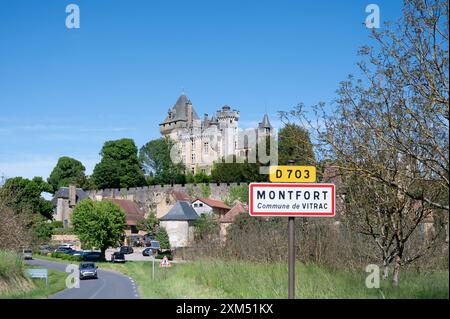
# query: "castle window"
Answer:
x=205 y=147
x=193 y=158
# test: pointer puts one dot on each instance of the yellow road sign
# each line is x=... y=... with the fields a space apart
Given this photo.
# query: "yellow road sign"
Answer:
x=293 y=174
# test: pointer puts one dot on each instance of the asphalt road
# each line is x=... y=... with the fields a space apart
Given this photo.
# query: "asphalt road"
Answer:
x=109 y=285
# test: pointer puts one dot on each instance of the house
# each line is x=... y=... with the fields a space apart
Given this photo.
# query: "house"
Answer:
x=209 y=206
x=227 y=219
x=64 y=201
x=179 y=224
x=133 y=216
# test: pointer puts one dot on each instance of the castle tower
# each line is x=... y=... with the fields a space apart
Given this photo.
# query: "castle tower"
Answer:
x=229 y=128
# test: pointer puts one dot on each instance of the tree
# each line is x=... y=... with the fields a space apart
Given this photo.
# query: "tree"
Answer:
x=42 y=231
x=119 y=166
x=156 y=160
x=389 y=131
x=401 y=105
x=98 y=224
x=237 y=194
x=149 y=224
x=163 y=238
x=14 y=230
x=67 y=171
x=24 y=196
x=206 y=227
x=294 y=144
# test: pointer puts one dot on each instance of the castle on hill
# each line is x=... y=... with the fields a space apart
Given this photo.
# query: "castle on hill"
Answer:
x=200 y=142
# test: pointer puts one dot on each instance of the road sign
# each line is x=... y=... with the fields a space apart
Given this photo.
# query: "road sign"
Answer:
x=292 y=199
x=165 y=263
x=293 y=174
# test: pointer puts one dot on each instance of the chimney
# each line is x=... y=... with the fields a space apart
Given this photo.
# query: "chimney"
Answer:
x=189 y=113
x=72 y=195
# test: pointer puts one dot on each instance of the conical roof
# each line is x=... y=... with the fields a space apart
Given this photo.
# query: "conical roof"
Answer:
x=181 y=211
x=265 y=122
x=179 y=110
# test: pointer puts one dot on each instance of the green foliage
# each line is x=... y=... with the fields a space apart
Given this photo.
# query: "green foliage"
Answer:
x=68 y=257
x=67 y=171
x=24 y=196
x=156 y=160
x=201 y=177
x=205 y=189
x=295 y=144
x=119 y=166
x=42 y=231
x=235 y=170
x=57 y=224
x=206 y=227
x=98 y=224
x=149 y=224
x=237 y=194
x=163 y=238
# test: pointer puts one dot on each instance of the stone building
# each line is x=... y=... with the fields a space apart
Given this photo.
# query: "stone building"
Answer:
x=64 y=201
x=200 y=142
x=179 y=224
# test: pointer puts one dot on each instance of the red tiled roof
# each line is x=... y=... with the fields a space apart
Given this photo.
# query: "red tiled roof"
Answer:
x=181 y=196
x=132 y=211
x=231 y=215
x=214 y=203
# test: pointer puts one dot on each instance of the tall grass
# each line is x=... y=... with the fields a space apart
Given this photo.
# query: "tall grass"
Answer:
x=215 y=278
x=12 y=277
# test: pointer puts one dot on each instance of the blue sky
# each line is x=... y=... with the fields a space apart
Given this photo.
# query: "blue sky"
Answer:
x=65 y=92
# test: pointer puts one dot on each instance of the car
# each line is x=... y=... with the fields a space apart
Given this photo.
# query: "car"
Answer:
x=117 y=257
x=63 y=249
x=91 y=256
x=126 y=250
x=74 y=252
x=27 y=254
x=153 y=248
x=147 y=252
x=67 y=245
x=88 y=270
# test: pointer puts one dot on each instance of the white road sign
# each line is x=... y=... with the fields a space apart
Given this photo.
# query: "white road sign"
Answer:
x=292 y=199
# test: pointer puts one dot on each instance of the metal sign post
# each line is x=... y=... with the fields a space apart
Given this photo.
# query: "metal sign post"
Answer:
x=291 y=257
x=292 y=200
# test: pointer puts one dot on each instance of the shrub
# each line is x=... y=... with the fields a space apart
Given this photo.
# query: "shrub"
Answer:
x=163 y=238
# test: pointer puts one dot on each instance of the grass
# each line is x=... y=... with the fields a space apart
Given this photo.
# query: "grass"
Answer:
x=238 y=279
x=15 y=284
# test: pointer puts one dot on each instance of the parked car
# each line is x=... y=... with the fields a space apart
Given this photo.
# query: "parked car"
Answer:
x=117 y=257
x=27 y=254
x=63 y=249
x=88 y=270
x=91 y=256
x=153 y=248
x=67 y=245
x=147 y=239
x=147 y=252
x=126 y=250
x=74 y=252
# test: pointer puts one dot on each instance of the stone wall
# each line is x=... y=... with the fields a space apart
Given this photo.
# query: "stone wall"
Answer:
x=158 y=197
